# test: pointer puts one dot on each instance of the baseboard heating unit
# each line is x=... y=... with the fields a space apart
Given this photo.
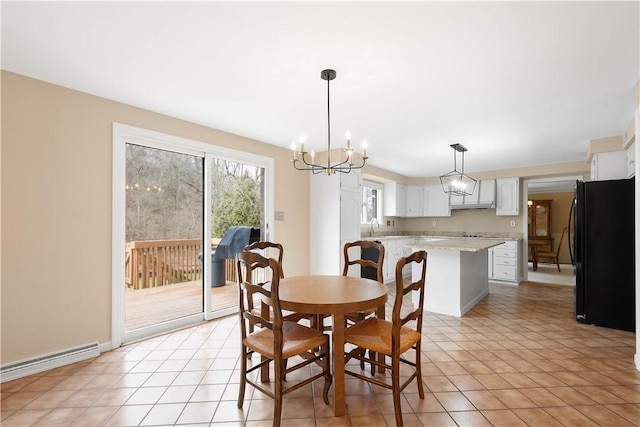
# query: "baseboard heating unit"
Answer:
x=26 y=367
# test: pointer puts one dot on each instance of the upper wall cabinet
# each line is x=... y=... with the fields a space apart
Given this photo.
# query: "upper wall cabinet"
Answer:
x=631 y=161
x=609 y=165
x=507 y=196
x=395 y=199
x=435 y=202
x=351 y=182
x=414 y=200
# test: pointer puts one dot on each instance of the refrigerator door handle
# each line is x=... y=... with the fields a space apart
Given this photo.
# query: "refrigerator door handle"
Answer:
x=570 y=243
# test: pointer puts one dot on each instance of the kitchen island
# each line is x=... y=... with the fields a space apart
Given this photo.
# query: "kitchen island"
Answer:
x=457 y=273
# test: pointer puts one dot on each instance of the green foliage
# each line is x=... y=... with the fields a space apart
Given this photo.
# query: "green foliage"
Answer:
x=239 y=204
x=165 y=191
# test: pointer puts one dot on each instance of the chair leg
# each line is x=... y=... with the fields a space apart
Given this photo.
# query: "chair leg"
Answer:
x=243 y=376
x=360 y=319
x=419 y=372
x=558 y=264
x=395 y=380
x=277 y=395
x=327 y=372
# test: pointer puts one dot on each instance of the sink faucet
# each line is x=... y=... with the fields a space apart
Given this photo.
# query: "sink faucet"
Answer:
x=374 y=220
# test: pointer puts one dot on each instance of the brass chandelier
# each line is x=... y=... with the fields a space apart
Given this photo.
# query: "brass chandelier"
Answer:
x=304 y=161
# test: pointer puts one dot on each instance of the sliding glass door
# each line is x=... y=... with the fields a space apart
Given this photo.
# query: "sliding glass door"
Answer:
x=174 y=202
x=164 y=229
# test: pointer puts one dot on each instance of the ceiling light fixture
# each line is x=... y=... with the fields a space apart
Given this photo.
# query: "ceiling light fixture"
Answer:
x=457 y=183
x=344 y=166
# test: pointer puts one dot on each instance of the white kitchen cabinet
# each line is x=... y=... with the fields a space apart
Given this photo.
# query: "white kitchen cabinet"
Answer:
x=414 y=200
x=395 y=199
x=394 y=248
x=487 y=193
x=507 y=196
x=336 y=202
x=388 y=265
x=351 y=182
x=631 y=161
x=435 y=202
x=503 y=262
x=609 y=165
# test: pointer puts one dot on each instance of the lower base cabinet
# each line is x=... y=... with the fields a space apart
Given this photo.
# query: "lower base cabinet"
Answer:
x=503 y=262
x=394 y=249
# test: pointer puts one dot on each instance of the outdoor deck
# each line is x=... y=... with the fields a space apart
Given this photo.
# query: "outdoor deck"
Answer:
x=154 y=305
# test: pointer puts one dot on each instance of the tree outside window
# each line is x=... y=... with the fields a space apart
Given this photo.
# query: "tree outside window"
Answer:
x=371 y=202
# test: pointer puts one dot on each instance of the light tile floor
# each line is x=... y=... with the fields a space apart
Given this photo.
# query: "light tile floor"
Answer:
x=517 y=359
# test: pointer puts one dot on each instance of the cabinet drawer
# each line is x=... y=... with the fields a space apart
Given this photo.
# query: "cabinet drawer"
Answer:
x=505 y=261
x=504 y=253
x=504 y=272
x=511 y=245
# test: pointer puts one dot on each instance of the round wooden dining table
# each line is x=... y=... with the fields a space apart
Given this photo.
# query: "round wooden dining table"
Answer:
x=337 y=296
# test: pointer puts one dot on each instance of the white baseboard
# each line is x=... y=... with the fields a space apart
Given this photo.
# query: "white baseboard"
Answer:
x=45 y=362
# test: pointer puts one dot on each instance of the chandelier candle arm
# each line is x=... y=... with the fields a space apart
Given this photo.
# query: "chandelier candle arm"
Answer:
x=344 y=166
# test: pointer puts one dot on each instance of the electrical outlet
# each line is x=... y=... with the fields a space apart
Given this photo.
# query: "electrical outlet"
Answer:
x=433 y=223
x=513 y=223
x=388 y=223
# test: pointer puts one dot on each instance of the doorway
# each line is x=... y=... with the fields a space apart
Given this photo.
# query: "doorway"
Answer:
x=548 y=201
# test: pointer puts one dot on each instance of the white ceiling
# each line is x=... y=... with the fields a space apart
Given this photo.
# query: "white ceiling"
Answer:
x=518 y=83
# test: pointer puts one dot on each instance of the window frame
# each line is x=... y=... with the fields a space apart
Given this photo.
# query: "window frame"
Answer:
x=379 y=188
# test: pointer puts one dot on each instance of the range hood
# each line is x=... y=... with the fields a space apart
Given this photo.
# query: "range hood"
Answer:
x=487 y=205
x=484 y=197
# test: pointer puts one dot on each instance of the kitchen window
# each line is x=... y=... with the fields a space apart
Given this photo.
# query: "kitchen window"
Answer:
x=371 y=202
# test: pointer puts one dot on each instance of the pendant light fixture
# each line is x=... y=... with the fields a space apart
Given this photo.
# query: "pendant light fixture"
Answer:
x=456 y=182
x=353 y=160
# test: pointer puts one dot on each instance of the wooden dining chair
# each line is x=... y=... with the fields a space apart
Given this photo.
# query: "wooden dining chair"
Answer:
x=393 y=338
x=265 y=247
x=364 y=245
x=551 y=257
x=376 y=264
x=276 y=340
x=533 y=256
x=349 y=261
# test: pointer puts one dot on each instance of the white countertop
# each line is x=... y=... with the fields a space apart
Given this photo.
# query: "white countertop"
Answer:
x=502 y=238
x=472 y=244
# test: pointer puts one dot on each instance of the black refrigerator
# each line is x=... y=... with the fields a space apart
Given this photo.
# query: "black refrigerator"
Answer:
x=602 y=247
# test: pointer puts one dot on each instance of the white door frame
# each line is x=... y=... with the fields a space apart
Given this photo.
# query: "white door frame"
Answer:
x=123 y=134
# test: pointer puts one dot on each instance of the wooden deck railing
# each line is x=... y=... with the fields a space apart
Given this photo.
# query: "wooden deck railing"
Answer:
x=153 y=263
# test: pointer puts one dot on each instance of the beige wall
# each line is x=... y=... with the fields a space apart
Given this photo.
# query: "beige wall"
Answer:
x=467 y=220
x=56 y=211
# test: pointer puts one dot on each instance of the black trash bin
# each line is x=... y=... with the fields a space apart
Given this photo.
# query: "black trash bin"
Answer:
x=218 y=270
